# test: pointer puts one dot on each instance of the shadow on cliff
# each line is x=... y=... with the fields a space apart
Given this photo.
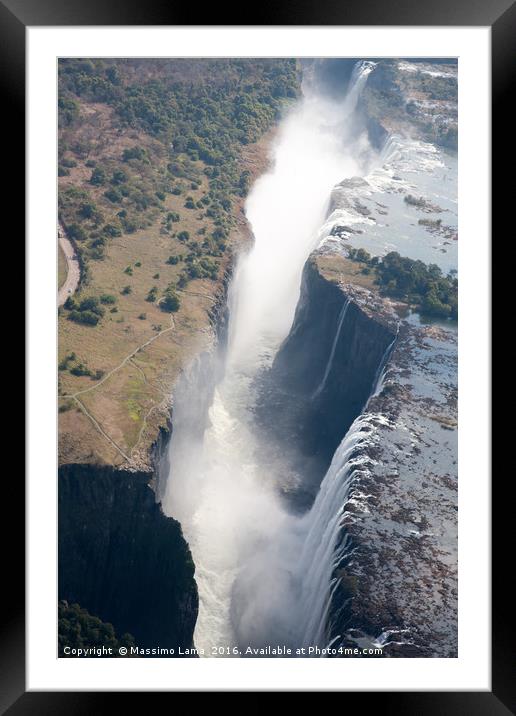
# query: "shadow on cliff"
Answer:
x=320 y=380
x=122 y=559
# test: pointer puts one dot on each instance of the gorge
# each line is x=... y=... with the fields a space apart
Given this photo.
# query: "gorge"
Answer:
x=310 y=470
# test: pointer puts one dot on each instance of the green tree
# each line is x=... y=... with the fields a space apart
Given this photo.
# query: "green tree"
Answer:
x=98 y=176
x=170 y=302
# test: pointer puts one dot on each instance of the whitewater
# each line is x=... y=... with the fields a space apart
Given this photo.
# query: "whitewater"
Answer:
x=243 y=541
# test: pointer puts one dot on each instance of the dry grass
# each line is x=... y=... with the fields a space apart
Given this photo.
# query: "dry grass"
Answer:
x=340 y=269
x=119 y=417
x=120 y=403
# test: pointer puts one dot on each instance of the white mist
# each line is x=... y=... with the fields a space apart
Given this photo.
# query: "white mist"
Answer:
x=240 y=536
x=285 y=208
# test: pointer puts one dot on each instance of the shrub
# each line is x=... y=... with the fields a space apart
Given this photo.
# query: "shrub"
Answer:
x=76 y=232
x=133 y=153
x=107 y=298
x=152 y=295
x=113 y=196
x=118 y=177
x=97 y=253
x=418 y=202
x=68 y=110
x=98 y=176
x=88 y=210
x=112 y=230
x=130 y=225
x=170 y=302
x=91 y=303
x=63 y=365
x=86 y=317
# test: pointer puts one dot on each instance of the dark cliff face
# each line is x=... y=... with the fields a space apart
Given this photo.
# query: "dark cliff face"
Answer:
x=122 y=559
x=322 y=375
x=396 y=583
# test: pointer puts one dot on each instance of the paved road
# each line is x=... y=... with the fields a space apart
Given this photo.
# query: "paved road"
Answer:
x=74 y=272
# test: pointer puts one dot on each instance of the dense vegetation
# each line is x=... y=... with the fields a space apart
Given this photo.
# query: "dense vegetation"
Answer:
x=192 y=118
x=70 y=362
x=79 y=629
x=423 y=286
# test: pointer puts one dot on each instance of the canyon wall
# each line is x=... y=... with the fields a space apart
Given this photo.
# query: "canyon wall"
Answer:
x=122 y=559
x=120 y=556
x=395 y=585
x=322 y=375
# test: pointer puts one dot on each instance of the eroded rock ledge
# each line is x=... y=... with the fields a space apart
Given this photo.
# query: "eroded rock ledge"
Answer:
x=322 y=376
x=122 y=558
x=397 y=585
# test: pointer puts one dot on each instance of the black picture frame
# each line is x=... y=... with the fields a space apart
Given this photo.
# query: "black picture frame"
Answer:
x=500 y=15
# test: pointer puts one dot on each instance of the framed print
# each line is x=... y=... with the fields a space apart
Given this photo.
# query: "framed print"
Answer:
x=258 y=445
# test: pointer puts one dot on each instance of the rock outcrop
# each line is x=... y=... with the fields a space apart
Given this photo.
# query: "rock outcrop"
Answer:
x=122 y=559
x=396 y=585
x=322 y=375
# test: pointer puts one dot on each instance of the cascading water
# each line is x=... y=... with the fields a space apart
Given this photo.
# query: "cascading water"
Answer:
x=322 y=553
x=326 y=545
x=308 y=552
x=220 y=488
x=329 y=364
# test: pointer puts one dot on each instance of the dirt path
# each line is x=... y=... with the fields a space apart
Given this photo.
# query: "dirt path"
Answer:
x=100 y=429
x=125 y=360
x=74 y=273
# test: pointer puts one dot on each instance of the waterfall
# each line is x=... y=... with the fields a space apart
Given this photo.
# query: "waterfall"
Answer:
x=361 y=72
x=322 y=552
x=222 y=486
x=329 y=364
x=380 y=373
x=325 y=544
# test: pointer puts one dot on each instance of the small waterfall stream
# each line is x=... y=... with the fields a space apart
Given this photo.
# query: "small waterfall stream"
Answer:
x=329 y=364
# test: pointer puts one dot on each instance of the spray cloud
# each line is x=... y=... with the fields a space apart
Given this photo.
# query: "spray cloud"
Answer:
x=220 y=488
